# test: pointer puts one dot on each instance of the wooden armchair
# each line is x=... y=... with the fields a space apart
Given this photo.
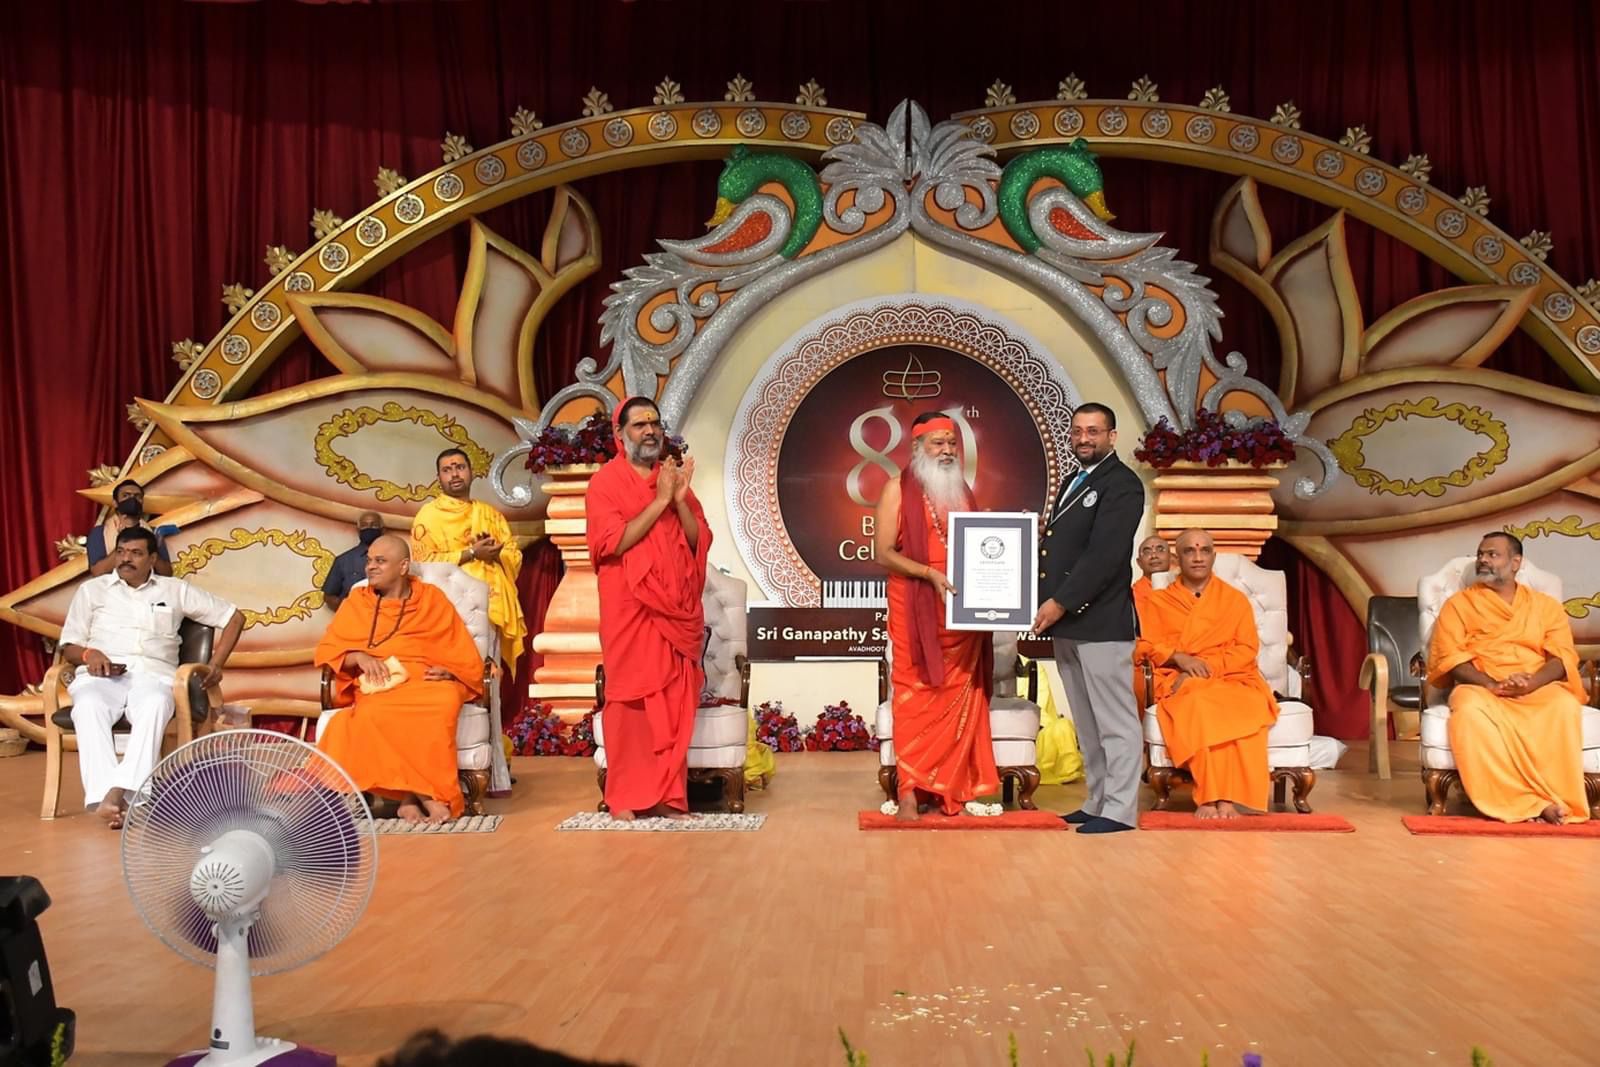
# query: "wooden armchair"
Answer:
x=1289 y=741
x=1392 y=675
x=194 y=703
x=478 y=728
x=718 y=746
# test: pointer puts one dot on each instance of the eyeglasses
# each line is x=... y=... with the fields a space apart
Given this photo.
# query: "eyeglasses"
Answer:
x=1077 y=433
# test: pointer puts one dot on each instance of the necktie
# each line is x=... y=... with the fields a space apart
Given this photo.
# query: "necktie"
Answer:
x=1073 y=488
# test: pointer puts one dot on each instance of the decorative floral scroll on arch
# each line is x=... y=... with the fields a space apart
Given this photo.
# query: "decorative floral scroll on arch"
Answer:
x=195 y=558
x=1346 y=448
x=1570 y=526
x=352 y=420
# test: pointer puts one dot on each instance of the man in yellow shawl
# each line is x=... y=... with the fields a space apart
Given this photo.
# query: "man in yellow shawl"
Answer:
x=1517 y=703
x=454 y=528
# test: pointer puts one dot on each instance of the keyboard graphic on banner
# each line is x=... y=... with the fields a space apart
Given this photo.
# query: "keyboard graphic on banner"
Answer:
x=855 y=594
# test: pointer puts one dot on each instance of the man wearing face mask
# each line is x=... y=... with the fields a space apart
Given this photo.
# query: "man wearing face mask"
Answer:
x=350 y=566
x=127 y=512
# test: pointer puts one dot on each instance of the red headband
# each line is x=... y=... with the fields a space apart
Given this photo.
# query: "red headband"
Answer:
x=933 y=426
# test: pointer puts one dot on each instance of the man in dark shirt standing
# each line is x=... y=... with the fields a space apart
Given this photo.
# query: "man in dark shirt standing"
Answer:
x=350 y=566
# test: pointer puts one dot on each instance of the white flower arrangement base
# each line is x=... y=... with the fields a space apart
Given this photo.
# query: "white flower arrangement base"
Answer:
x=974 y=807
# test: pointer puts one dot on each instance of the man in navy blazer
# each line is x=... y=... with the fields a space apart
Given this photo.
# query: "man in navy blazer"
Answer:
x=1086 y=608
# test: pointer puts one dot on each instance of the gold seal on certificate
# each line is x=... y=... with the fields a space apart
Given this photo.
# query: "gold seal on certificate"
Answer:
x=994 y=568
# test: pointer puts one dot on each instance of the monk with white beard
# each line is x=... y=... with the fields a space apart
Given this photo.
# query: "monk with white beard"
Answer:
x=942 y=678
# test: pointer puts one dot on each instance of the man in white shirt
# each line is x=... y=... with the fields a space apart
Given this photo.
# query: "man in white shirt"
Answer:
x=121 y=630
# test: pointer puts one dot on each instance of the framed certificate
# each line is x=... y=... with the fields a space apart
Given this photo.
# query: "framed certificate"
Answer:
x=994 y=567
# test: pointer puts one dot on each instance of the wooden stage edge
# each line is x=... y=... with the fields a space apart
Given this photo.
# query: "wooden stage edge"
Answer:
x=721 y=948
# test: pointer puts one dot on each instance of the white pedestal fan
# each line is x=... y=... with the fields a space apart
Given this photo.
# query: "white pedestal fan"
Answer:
x=253 y=853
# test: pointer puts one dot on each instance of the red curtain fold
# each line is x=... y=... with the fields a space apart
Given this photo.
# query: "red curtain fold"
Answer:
x=149 y=153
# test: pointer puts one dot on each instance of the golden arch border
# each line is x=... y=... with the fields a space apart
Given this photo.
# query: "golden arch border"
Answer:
x=1347 y=448
x=352 y=421
x=196 y=558
x=1238 y=144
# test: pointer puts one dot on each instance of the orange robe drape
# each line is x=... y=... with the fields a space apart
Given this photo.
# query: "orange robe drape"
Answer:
x=942 y=743
x=1516 y=755
x=403 y=740
x=652 y=638
x=1216 y=727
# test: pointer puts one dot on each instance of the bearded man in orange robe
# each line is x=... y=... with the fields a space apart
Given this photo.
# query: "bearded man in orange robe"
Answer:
x=1516 y=725
x=396 y=736
x=942 y=678
x=648 y=540
x=1199 y=635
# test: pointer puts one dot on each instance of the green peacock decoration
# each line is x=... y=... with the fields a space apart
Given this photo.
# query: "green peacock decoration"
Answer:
x=747 y=171
x=1073 y=165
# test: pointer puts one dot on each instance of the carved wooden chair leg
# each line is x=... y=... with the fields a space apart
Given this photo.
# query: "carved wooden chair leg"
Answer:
x=475 y=785
x=1305 y=780
x=1280 y=783
x=888 y=780
x=733 y=789
x=52 y=771
x=1161 y=783
x=1030 y=782
x=600 y=778
x=1591 y=789
x=1438 y=783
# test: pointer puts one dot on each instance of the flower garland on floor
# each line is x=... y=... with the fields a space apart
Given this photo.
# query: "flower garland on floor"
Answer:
x=538 y=732
x=839 y=729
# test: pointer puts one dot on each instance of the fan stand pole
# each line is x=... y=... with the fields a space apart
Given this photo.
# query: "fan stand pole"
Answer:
x=233 y=1015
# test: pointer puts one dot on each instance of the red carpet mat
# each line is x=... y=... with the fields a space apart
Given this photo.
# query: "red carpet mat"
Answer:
x=1277 y=822
x=1475 y=826
x=1011 y=820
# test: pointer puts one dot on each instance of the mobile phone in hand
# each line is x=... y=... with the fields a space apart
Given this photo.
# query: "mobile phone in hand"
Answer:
x=119 y=668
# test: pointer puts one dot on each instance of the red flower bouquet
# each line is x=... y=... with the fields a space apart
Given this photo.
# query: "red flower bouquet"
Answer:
x=591 y=441
x=1213 y=442
x=839 y=729
x=776 y=730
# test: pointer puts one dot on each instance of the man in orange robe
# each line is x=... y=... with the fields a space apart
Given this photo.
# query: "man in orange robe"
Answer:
x=1516 y=707
x=1214 y=707
x=648 y=540
x=942 y=679
x=1153 y=558
x=399 y=742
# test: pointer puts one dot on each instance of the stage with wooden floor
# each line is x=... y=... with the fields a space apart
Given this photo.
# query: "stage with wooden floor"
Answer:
x=926 y=948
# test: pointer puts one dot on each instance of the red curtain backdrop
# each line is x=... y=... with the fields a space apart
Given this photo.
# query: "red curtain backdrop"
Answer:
x=150 y=152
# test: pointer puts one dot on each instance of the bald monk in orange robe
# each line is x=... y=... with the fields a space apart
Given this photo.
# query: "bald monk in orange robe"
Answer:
x=648 y=540
x=942 y=679
x=1213 y=706
x=399 y=743
x=1153 y=557
x=1516 y=725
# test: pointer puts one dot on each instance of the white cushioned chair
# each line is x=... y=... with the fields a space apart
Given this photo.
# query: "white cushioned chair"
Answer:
x=479 y=755
x=1013 y=725
x=721 y=731
x=1439 y=772
x=1289 y=741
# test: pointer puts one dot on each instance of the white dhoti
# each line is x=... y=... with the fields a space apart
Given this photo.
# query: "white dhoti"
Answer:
x=145 y=700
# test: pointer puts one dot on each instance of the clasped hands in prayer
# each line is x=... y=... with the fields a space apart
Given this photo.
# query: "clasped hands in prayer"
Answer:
x=672 y=482
x=483 y=547
x=377 y=671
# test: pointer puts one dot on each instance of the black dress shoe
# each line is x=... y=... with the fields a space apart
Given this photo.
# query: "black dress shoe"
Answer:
x=1099 y=824
x=1077 y=818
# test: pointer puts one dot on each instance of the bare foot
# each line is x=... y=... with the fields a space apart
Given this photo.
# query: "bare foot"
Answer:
x=678 y=816
x=1552 y=814
x=622 y=816
x=1206 y=811
x=438 y=812
x=1226 y=810
x=908 y=811
x=112 y=808
x=410 y=811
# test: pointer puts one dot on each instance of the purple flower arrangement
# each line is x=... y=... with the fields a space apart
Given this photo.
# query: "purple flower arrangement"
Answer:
x=1213 y=442
x=778 y=731
x=537 y=732
x=592 y=441
x=839 y=729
